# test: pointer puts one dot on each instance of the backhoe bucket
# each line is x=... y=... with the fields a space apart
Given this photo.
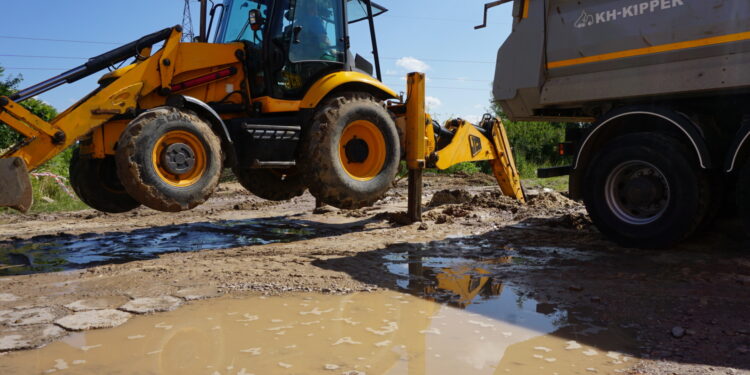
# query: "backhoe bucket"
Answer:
x=15 y=185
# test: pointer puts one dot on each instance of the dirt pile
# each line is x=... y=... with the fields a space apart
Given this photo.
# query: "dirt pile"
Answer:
x=552 y=201
x=550 y=209
x=444 y=197
x=541 y=203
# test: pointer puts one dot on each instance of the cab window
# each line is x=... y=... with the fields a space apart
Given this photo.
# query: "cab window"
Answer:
x=317 y=31
x=236 y=26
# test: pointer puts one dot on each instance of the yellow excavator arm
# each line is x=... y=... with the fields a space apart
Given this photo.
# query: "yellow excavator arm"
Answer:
x=146 y=82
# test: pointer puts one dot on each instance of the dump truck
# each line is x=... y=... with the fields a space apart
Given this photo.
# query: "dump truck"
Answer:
x=277 y=96
x=655 y=92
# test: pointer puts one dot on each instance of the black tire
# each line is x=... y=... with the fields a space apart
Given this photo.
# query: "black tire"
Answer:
x=645 y=190
x=96 y=183
x=271 y=184
x=187 y=168
x=322 y=165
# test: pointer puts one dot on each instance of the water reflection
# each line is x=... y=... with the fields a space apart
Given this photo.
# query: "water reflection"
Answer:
x=471 y=285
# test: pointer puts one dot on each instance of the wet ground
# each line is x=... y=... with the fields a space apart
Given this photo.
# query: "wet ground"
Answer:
x=483 y=286
x=50 y=253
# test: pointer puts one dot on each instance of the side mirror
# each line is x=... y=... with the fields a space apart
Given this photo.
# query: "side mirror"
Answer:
x=255 y=19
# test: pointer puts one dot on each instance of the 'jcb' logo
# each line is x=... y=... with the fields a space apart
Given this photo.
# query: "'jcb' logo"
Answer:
x=475 y=144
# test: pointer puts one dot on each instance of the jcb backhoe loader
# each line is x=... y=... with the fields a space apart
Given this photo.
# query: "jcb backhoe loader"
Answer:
x=277 y=97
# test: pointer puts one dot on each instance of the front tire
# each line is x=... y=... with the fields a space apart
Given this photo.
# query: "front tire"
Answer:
x=350 y=153
x=169 y=160
x=96 y=183
x=643 y=190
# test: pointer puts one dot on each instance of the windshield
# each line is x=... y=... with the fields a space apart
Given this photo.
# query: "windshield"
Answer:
x=317 y=31
x=234 y=23
x=356 y=10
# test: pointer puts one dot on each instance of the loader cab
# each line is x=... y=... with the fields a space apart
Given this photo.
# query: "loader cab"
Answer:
x=290 y=44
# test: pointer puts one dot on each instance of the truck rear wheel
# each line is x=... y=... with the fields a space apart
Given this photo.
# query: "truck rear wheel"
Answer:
x=271 y=184
x=350 y=153
x=642 y=190
x=169 y=160
x=96 y=183
x=743 y=196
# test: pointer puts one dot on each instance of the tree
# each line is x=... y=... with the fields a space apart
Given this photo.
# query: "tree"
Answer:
x=8 y=86
x=534 y=143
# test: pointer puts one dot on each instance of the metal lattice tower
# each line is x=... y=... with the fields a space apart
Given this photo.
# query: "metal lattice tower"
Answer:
x=187 y=23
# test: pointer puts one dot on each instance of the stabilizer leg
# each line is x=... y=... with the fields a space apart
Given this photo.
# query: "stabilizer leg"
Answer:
x=503 y=166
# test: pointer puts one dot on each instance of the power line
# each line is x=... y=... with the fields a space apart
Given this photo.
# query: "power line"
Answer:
x=429 y=77
x=451 y=20
x=24 y=68
x=45 y=57
x=112 y=43
x=55 y=40
x=449 y=88
x=443 y=60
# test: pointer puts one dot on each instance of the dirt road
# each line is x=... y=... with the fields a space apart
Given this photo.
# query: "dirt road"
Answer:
x=683 y=310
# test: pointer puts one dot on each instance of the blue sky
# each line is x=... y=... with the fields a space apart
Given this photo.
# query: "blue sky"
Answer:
x=435 y=36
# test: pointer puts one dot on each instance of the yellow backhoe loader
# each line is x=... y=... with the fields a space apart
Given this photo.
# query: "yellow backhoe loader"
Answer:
x=276 y=96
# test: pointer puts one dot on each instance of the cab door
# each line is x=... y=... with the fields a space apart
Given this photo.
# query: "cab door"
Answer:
x=308 y=41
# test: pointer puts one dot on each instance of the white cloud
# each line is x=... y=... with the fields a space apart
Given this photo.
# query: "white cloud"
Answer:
x=412 y=64
x=474 y=119
x=432 y=103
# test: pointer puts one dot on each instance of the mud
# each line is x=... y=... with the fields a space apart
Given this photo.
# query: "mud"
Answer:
x=480 y=254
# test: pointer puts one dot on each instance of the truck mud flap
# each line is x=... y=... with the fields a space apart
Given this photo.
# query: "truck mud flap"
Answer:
x=15 y=186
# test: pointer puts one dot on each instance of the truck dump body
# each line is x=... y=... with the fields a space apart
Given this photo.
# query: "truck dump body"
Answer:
x=565 y=54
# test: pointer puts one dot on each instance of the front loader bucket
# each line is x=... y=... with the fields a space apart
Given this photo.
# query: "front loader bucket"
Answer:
x=15 y=186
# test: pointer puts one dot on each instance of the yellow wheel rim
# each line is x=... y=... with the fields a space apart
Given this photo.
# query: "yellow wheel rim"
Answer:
x=362 y=150
x=179 y=158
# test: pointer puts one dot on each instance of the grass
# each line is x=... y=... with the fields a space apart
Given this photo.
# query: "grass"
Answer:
x=559 y=184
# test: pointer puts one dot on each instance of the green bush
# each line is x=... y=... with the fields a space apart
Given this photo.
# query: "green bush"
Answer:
x=467 y=168
x=8 y=86
x=535 y=145
x=48 y=194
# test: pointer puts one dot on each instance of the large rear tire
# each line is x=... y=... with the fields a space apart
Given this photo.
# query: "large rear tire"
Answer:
x=96 y=183
x=271 y=184
x=169 y=160
x=743 y=197
x=350 y=154
x=644 y=190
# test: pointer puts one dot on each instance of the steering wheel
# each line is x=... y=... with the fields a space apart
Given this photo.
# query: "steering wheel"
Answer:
x=331 y=53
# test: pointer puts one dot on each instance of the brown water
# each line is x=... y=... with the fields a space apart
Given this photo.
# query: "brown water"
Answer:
x=370 y=333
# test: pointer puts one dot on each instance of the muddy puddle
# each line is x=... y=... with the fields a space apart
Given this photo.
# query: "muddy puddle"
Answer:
x=373 y=333
x=66 y=252
x=465 y=322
